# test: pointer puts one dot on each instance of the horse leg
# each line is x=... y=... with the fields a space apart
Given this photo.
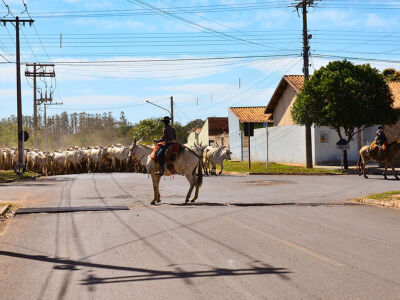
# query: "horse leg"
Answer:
x=363 y=170
x=158 y=178
x=155 y=188
x=384 y=173
x=197 y=186
x=191 y=180
x=363 y=163
x=394 y=171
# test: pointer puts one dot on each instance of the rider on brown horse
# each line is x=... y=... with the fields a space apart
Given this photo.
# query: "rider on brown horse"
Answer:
x=169 y=137
x=380 y=144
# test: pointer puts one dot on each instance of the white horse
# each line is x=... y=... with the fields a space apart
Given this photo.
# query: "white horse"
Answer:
x=185 y=164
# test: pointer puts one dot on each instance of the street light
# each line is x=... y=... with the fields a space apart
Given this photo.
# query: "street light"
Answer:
x=170 y=113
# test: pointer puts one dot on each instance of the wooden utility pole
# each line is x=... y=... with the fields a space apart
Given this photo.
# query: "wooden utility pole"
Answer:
x=306 y=52
x=39 y=70
x=172 y=111
x=20 y=168
x=34 y=109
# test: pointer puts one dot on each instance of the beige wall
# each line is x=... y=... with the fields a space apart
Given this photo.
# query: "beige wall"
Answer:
x=282 y=116
x=203 y=135
x=218 y=139
x=192 y=138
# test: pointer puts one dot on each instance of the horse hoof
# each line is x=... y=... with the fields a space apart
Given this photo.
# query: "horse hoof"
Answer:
x=193 y=201
x=158 y=201
x=365 y=176
x=153 y=202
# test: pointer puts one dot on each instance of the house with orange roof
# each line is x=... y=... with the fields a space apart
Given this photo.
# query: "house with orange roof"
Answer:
x=238 y=142
x=215 y=131
x=287 y=140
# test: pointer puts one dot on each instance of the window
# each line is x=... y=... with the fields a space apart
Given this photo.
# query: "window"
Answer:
x=211 y=142
x=323 y=138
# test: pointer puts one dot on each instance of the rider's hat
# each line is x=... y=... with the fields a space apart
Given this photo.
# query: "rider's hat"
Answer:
x=166 y=119
x=381 y=127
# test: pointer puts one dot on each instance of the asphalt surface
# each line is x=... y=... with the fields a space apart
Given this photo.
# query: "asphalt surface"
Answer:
x=274 y=237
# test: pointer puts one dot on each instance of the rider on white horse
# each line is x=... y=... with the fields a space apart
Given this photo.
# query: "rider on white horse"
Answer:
x=169 y=137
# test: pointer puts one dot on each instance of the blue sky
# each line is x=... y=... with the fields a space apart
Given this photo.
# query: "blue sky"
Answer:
x=117 y=54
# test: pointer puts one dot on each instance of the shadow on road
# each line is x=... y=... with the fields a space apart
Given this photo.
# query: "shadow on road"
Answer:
x=144 y=274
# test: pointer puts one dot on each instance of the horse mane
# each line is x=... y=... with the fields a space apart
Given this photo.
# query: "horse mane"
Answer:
x=145 y=146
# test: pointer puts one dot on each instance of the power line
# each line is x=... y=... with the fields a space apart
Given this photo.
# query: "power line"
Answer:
x=199 y=26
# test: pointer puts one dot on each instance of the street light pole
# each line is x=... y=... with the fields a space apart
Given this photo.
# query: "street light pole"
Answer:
x=170 y=112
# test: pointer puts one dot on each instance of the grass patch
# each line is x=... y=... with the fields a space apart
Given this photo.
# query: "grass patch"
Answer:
x=387 y=196
x=260 y=167
x=7 y=175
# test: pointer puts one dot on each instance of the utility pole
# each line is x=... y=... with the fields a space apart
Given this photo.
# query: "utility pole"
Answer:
x=172 y=111
x=306 y=51
x=39 y=70
x=20 y=167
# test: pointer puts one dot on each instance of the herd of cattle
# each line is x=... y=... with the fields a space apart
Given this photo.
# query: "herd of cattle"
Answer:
x=98 y=159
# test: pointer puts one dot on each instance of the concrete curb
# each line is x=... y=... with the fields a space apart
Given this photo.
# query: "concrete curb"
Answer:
x=4 y=209
x=390 y=203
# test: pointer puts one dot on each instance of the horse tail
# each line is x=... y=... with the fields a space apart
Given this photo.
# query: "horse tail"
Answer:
x=200 y=172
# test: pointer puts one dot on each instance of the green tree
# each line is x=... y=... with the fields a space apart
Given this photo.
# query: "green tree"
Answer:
x=345 y=97
x=391 y=74
x=147 y=130
x=193 y=124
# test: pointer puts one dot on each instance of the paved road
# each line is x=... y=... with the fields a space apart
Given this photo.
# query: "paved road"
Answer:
x=275 y=237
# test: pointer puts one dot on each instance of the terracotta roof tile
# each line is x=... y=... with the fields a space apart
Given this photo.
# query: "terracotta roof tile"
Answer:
x=395 y=88
x=252 y=114
x=297 y=82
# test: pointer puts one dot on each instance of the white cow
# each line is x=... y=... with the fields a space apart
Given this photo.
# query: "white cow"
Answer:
x=96 y=158
x=73 y=160
x=119 y=157
x=215 y=155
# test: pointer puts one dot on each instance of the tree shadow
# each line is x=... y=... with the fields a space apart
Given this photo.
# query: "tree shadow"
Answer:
x=144 y=274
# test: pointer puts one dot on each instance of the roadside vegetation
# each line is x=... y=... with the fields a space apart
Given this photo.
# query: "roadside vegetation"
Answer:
x=387 y=196
x=260 y=167
x=387 y=199
x=9 y=175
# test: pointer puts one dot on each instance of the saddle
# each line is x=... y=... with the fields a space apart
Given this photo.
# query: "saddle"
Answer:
x=378 y=149
x=170 y=154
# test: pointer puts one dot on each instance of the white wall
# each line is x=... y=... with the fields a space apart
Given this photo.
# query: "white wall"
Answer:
x=286 y=144
x=235 y=141
x=326 y=153
x=258 y=142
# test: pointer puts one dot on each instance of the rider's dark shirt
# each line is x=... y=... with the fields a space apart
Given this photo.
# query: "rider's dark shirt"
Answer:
x=380 y=137
x=169 y=135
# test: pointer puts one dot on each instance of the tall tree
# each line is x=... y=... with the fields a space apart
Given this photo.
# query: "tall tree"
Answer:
x=345 y=97
x=391 y=74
